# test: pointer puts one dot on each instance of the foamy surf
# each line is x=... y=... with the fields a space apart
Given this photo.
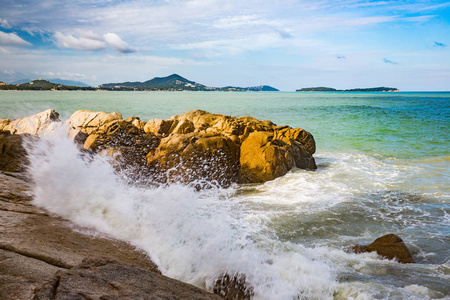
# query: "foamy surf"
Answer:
x=286 y=236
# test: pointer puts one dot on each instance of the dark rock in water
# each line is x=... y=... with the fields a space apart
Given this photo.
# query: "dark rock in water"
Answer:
x=233 y=287
x=389 y=246
x=107 y=279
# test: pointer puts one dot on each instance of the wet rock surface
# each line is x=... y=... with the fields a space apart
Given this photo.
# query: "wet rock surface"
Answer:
x=389 y=246
x=43 y=256
x=193 y=147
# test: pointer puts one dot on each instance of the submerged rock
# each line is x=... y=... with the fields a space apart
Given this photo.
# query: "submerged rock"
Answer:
x=389 y=246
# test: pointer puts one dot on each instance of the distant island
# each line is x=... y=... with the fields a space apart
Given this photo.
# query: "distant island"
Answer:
x=328 y=89
x=176 y=82
x=43 y=85
x=173 y=82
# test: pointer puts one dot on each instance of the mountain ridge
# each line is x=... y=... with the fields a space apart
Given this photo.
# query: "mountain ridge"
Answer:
x=177 y=82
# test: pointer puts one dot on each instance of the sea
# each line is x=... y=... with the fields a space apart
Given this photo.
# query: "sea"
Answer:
x=383 y=167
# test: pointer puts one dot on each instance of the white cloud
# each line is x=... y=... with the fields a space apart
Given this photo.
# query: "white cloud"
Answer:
x=117 y=43
x=12 y=39
x=4 y=23
x=80 y=43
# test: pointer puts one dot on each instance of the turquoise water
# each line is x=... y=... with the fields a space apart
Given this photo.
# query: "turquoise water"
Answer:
x=406 y=125
x=383 y=167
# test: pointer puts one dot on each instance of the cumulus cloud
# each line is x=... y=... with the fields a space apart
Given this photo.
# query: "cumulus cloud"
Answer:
x=117 y=43
x=12 y=39
x=83 y=42
x=88 y=40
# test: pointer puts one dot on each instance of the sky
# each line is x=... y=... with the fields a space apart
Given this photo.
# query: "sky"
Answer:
x=287 y=44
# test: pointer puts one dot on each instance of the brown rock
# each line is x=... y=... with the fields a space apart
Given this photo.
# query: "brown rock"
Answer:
x=158 y=126
x=196 y=157
x=264 y=158
x=4 y=123
x=46 y=257
x=37 y=124
x=126 y=143
x=13 y=156
x=83 y=122
x=299 y=135
x=107 y=279
x=389 y=246
x=233 y=287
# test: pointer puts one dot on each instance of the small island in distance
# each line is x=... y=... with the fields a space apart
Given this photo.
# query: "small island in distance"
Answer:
x=328 y=89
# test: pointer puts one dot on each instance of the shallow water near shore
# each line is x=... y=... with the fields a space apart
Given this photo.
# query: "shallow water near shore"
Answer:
x=383 y=167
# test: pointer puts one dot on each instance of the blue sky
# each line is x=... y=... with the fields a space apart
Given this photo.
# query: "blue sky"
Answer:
x=286 y=44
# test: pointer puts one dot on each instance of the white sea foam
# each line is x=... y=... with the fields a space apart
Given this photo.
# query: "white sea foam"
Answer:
x=199 y=236
x=195 y=237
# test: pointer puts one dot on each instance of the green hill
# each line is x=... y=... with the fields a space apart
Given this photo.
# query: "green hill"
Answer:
x=172 y=82
x=41 y=85
x=328 y=89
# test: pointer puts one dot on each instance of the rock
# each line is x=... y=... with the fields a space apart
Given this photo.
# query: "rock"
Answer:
x=83 y=123
x=107 y=279
x=389 y=246
x=46 y=257
x=37 y=124
x=13 y=156
x=233 y=287
x=299 y=135
x=158 y=126
x=191 y=147
x=127 y=143
x=265 y=158
x=264 y=151
x=4 y=123
x=193 y=157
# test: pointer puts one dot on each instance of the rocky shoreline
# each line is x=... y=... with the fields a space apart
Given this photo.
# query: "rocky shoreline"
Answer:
x=43 y=256
x=46 y=257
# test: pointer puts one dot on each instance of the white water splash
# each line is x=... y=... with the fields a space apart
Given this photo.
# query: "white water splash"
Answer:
x=197 y=237
x=192 y=236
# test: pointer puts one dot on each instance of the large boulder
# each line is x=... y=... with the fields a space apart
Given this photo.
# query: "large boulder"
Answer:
x=84 y=122
x=389 y=246
x=37 y=124
x=197 y=158
x=264 y=158
x=263 y=150
x=125 y=142
x=191 y=147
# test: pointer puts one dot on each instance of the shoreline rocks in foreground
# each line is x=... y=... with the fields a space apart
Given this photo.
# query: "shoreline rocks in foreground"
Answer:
x=193 y=147
x=43 y=256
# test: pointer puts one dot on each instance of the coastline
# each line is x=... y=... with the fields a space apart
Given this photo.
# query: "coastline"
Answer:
x=43 y=256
